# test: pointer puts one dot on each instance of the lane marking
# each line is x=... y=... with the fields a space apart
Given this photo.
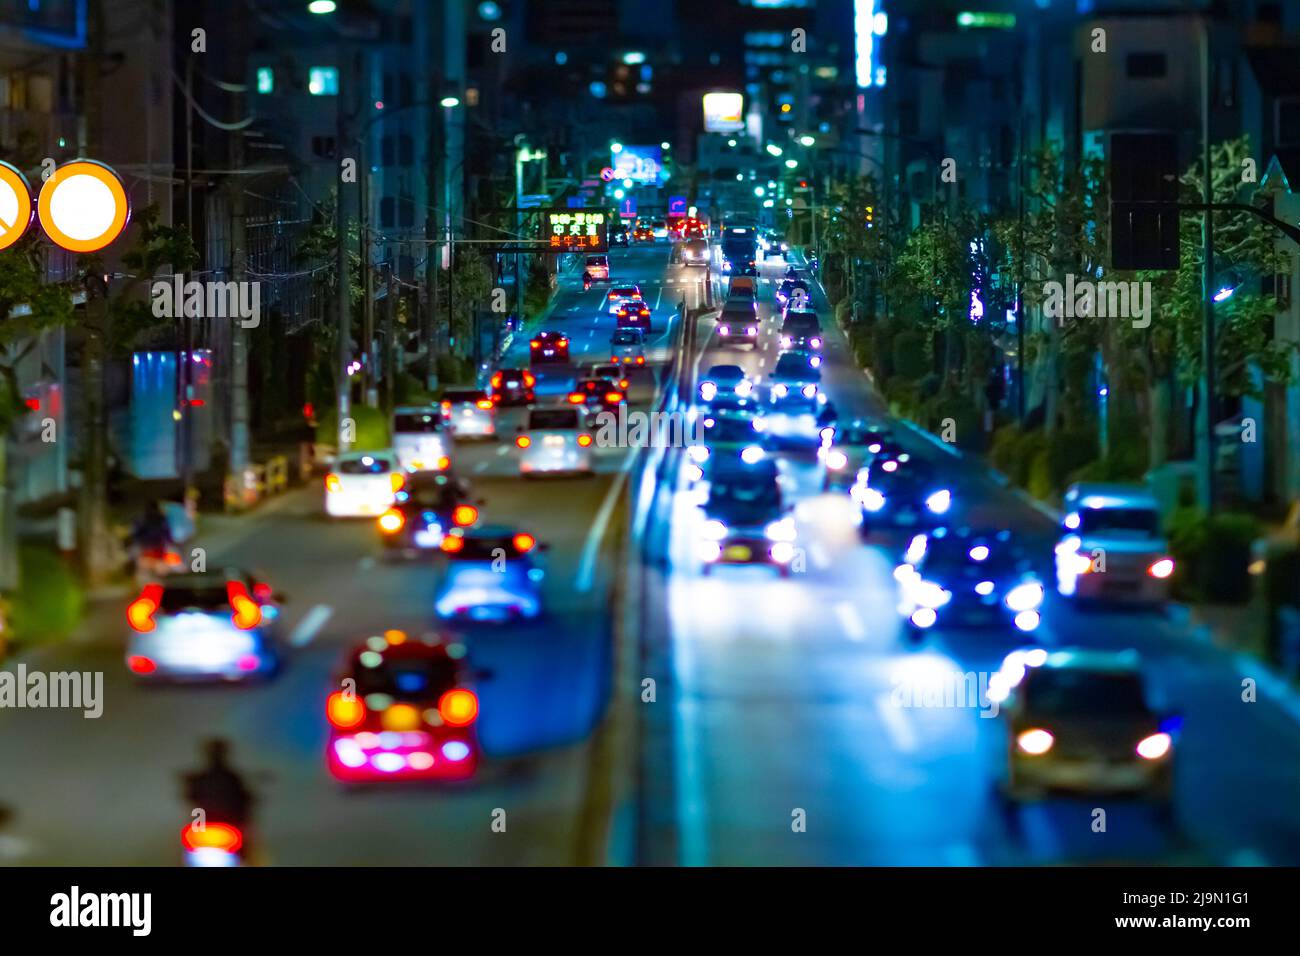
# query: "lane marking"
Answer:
x=899 y=727
x=310 y=625
x=587 y=564
x=850 y=621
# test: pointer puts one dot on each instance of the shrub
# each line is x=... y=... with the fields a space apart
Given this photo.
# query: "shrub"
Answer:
x=49 y=603
x=372 y=427
x=910 y=360
x=1212 y=555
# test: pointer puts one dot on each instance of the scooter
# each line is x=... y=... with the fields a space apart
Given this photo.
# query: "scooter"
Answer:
x=213 y=844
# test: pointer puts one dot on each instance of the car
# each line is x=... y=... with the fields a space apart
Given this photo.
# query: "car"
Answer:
x=633 y=315
x=737 y=323
x=615 y=373
x=621 y=294
x=512 y=387
x=627 y=346
x=491 y=574
x=1111 y=546
x=597 y=267
x=968 y=577
x=643 y=234
x=849 y=448
x=204 y=626
x=745 y=519
x=792 y=289
x=695 y=252
x=549 y=348
x=421 y=441
x=554 y=440
x=723 y=380
x=424 y=511
x=694 y=229
x=597 y=395
x=912 y=497
x=796 y=375
x=618 y=236
x=741 y=287
x=469 y=413
x=362 y=484
x=405 y=710
x=801 y=331
x=1082 y=721
x=724 y=435
x=659 y=228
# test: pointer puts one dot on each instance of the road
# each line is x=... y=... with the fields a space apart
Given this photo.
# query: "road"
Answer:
x=772 y=738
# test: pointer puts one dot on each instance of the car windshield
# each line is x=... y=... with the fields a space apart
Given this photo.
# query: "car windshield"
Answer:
x=1141 y=521
x=415 y=423
x=800 y=323
x=211 y=595
x=794 y=365
x=364 y=466
x=1061 y=690
x=738 y=311
x=905 y=478
x=439 y=494
x=560 y=418
x=463 y=396
x=729 y=430
x=406 y=678
x=725 y=374
x=953 y=553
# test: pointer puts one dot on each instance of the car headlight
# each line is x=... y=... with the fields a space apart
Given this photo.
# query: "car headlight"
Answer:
x=837 y=460
x=779 y=391
x=751 y=454
x=940 y=501
x=1025 y=597
x=786 y=341
x=714 y=530
x=780 y=530
x=751 y=330
x=698 y=453
x=809 y=391
x=744 y=387
x=815 y=361
x=929 y=594
x=815 y=342
x=707 y=391
x=726 y=266
x=724 y=330
x=694 y=472
x=872 y=499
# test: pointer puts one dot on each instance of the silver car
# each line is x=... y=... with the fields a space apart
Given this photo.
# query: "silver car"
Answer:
x=469 y=413
x=554 y=441
x=627 y=347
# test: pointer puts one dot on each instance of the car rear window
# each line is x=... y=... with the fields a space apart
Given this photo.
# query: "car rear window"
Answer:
x=553 y=418
x=626 y=291
x=486 y=548
x=597 y=260
x=407 y=678
x=204 y=597
x=364 y=466
x=416 y=423
x=464 y=395
x=625 y=338
x=1104 y=520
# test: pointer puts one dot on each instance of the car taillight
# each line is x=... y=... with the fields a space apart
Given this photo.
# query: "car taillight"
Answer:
x=496 y=380
x=332 y=483
x=344 y=710
x=534 y=345
x=640 y=360
x=464 y=515
x=523 y=441
x=530 y=379
x=584 y=440
x=622 y=383
x=458 y=708
x=483 y=403
x=1162 y=568
x=397 y=480
x=247 y=613
x=1155 y=746
x=225 y=837
x=391 y=521
x=141 y=665
x=262 y=592
x=442 y=464
x=613 y=396
x=524 y=542
x=453 y=543
x=139 y=613
x=446 y=408
x=577 y=398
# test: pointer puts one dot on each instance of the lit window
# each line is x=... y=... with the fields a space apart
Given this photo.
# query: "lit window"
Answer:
x=265 y=79
x=323 y=81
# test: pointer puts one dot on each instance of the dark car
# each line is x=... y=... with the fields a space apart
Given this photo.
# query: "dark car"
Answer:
x=429 y=505
x=792 y=289
x=406 y=712
x=618 y=236
x=745 y=517
x=852 y=446
x=737 y=323
x=633 y=315
x=512 y=386
x=598 y=395
x=549 y=348
x=801 y=330
x=969 y=577
x=911 y=497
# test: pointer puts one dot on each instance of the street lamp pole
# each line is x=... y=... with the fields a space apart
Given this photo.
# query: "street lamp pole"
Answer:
x=342 y=303
x=1207 y=281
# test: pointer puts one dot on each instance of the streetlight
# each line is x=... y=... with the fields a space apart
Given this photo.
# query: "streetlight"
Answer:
x=807 y=140
x=449 y=102
x=759 y=191
x=774 y=149
x=615 y=147
x=791 y=163
x=321 y=7
x=665 y=145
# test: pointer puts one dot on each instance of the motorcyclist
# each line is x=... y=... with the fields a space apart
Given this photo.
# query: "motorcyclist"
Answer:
x=586 y=281
x=218 y=789
x=151 y=537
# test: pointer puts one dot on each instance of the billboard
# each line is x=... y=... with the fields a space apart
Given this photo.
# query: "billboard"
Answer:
x=641 y=164
x=576 y=229
x=724 y=112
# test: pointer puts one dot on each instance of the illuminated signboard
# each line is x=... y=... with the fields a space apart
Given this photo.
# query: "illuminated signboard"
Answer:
x=641 y=164
x=723 y=112
x=575 y=229
x=869 y=23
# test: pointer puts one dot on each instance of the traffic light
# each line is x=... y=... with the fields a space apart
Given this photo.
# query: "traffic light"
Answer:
x=1143 y=170
x=870 y=216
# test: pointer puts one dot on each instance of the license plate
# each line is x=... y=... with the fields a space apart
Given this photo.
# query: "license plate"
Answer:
x=512 y=384
x=553 y=441
x=428 y=539
x=738 y=552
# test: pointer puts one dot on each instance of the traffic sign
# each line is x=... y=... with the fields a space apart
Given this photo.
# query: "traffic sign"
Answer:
x=607 y=174
x=15 y=205
x=83 y=206
x=676 y=206
x=627 y=209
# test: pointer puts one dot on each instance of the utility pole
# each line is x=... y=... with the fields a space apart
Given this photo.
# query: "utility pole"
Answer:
x=368 y=371
x=1207 y=281
x=239 y=430
x=343 y=304
x=184 y=347
x=390 y=293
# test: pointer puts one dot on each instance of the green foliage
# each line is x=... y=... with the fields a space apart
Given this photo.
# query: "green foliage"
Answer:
x=1212 y=555
x=1014 y=453
x=372 y=428
x=908 y=352
x=48 y=605
x=454 y=370
x=22 y=283
x=159 y=251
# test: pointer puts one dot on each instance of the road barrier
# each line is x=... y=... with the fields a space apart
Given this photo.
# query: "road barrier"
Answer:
x=258 y=481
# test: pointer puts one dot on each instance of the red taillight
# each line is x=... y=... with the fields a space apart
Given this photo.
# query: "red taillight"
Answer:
x=577 y=398
x=613 y=397
x=141 y=665
x=458 y=708
x=483 y=403
x=212 y=836
x=530 y=379
x=453 y=543
x=535 y=345
x=397 y=480
x=464 y=515
x=524 y=542
x=442 y=463
x=332 y=483
x=640 y=360
x=247 y=614
x=344 y=711
x=584 y=440
x=172 y=559
x=496 y=380
x=523 y=441
x=139 y=613
x=262 y=591
x=392 y=521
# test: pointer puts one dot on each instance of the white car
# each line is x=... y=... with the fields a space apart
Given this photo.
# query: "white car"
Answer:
x=210 y=626
x=1111 y=547
x=492 y=574
x=627 y=347
x=620 y=294
x=554 y=441
x=420 y=439
x=469 y=413
x=362 y=484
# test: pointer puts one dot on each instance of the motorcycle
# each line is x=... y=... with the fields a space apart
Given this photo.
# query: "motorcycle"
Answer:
x=213 y=844
x=155 y=562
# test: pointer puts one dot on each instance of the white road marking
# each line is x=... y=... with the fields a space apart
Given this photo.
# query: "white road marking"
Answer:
x=503 y=450
x=310 y=625
x=481 y=467
x=850 y=621
x=587 y=564
x=900 y=730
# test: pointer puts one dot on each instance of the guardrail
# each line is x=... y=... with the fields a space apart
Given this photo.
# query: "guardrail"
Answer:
x=259 y=481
